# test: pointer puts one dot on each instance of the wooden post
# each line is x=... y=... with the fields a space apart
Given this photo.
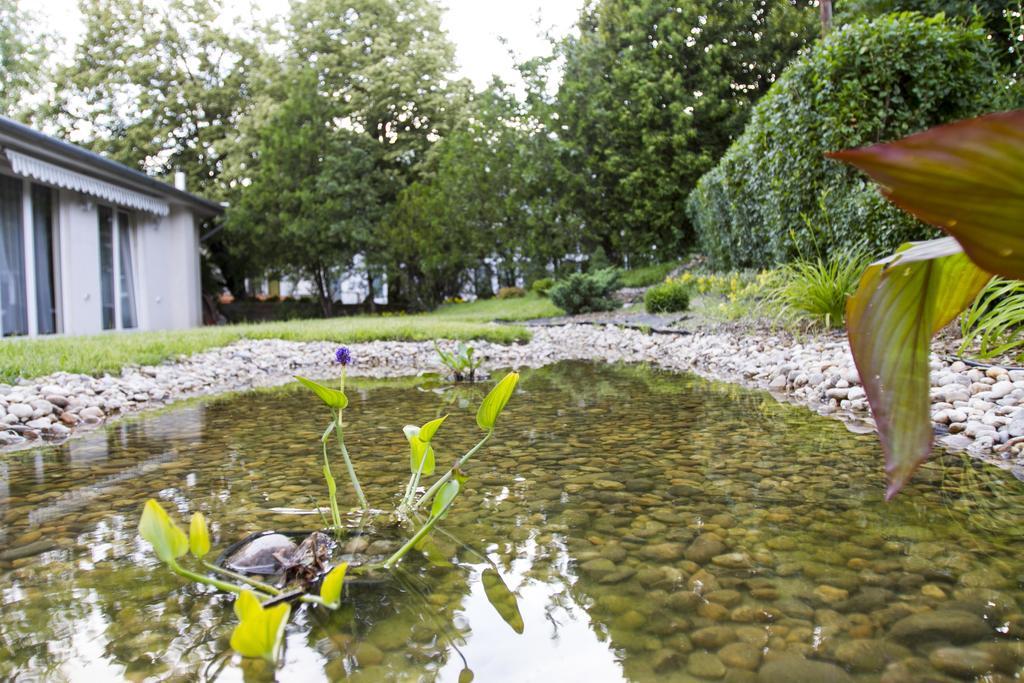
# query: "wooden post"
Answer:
x=826 y=16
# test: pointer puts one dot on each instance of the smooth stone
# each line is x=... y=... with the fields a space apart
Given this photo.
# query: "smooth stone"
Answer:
x=869 y=655
x=962 y=661
x=705 y=547
x=713 y=637
x=955 y=626
x=705 y=665
x=740 y=656
x=795 y=670
x=732 y=560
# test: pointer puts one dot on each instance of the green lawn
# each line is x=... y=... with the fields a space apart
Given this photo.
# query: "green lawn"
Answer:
x=112 y=351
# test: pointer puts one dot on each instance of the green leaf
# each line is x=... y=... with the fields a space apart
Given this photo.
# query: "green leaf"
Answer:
x=419 y=451
x=428 y=430
x=900 y=303
x=198 y=536
x=444 y=499
x=502 y=599
x=332 y=397
x=967 y=178
x=260 y=631
x=330 y=587
x=168 y=541
x=495 y=401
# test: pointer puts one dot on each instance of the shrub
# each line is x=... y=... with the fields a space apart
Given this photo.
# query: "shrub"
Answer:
x=511 y=293
x=542 y=286
x=647 y=275
x=586 y=292
x=668 y=297
x=774 y=193
x=817 y=290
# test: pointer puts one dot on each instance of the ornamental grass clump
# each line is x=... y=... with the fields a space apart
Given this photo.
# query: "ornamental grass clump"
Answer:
x=816 y=290
x=303 y=574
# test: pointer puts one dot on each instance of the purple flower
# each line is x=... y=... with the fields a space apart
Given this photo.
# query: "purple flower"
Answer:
x=343 y=356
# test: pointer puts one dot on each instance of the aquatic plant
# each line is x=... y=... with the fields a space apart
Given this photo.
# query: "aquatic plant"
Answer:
x=967 y=179
x=460 y=363
x=263 y=609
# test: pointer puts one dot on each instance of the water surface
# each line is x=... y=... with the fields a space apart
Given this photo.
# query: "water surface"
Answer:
x=653 y=526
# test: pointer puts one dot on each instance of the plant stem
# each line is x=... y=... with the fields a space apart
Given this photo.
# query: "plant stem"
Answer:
x=417 y=537
x=209 y=581
x=348 y=465
x=448 y=475
x=332 y=490
x=265 y=587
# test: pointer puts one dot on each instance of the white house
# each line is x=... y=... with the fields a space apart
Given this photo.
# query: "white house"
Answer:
x=88 y=244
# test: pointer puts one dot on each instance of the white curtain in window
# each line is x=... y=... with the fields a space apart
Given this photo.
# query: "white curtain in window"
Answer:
x=13 y=303
x=127 y=273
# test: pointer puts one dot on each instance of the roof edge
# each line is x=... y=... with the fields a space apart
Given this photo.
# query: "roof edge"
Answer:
x=31 y=136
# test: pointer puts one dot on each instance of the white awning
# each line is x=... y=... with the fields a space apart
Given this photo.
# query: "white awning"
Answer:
x=45 y=172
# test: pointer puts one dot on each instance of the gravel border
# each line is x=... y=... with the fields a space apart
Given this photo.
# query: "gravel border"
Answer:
x=980 y=410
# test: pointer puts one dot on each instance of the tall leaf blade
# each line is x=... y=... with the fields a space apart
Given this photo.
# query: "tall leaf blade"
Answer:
x=967 y=178
x=332 y=397
x=900 y=303
x=168 y=541
x=496 y=400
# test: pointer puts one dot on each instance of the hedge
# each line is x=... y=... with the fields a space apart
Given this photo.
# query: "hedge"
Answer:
x=774 y=196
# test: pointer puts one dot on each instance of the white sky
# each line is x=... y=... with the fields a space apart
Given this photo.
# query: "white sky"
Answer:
x=473 y=25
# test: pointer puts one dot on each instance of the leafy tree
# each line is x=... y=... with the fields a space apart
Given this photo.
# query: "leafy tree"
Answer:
x=314 y=195
x=387 y=67
x=24 y=51
x=653 y=93
x=158 y=86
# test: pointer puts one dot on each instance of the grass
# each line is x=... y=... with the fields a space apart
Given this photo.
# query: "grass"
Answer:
x=112 y=351
x=646 y=275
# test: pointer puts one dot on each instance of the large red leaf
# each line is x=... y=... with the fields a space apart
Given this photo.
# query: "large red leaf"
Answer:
x=900 y=303
x=966 y=178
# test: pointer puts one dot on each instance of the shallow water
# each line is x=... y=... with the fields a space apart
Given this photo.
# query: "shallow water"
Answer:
x=589 y=503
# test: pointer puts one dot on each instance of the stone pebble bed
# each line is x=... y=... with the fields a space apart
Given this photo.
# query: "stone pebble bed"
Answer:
x=980 y=410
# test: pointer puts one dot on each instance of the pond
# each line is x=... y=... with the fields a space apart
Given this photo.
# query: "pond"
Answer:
x=653 y=527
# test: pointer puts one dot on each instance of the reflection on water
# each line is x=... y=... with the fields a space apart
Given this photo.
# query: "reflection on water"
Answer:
x=652 y=526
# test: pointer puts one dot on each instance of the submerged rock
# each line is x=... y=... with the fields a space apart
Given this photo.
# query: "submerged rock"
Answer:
x=955 y=626
x=259 y=556
x=796 y=670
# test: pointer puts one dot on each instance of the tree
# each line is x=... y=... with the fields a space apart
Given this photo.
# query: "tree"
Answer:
x=24 y=51
x=314 y=195
x=158 y=86
x=653 y=93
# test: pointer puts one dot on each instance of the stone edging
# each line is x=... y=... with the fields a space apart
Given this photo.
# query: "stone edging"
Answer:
x=974 y=408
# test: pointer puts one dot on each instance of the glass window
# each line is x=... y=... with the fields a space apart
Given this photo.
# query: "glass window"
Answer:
x=42 y=233
x=13 y=302
x=107 y=266
x=127 y=274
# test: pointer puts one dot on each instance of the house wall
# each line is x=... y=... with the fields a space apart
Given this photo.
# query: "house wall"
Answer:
x=169 y=287
x=79 y=251
x=166 y=251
